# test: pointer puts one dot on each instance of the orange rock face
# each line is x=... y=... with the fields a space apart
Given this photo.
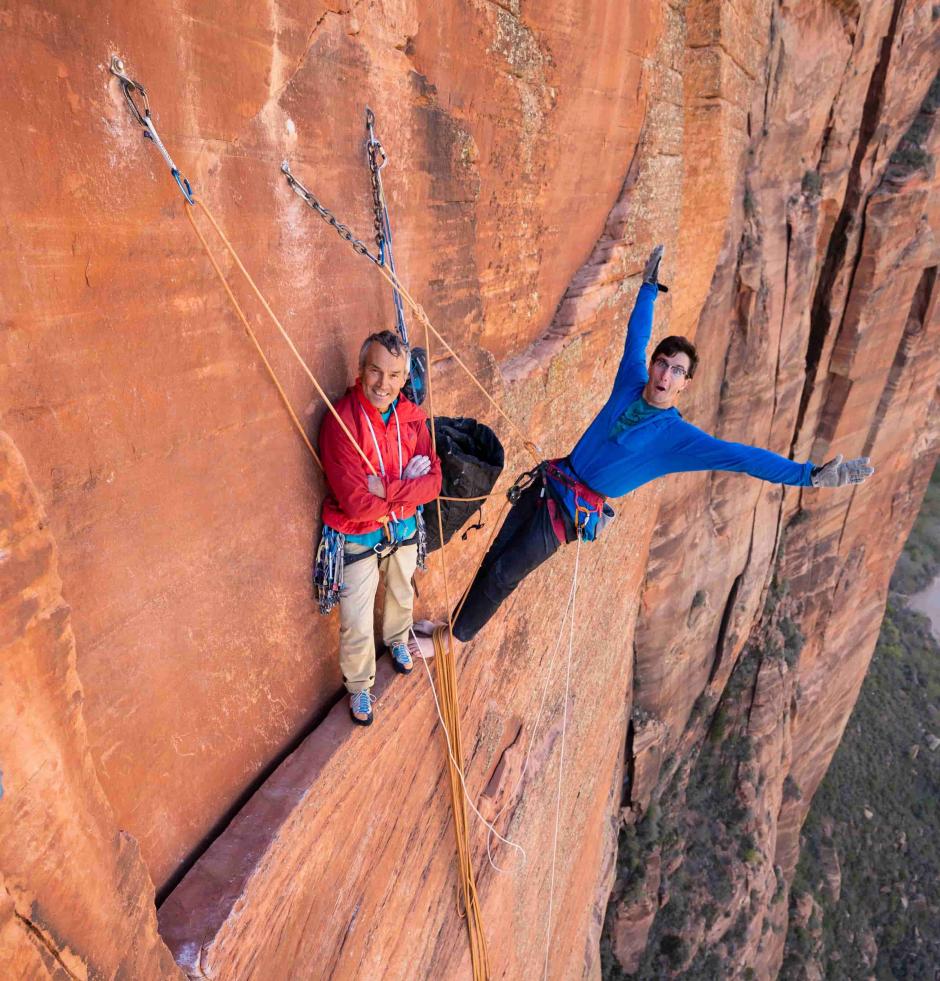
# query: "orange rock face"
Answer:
x=537 y=153
x=75 y=897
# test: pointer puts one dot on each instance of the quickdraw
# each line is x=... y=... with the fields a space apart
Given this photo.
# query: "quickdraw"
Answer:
x=378 y=158
x=416 y=387
x=129 y=87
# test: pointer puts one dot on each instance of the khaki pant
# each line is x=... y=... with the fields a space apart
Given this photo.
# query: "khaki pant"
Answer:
x=356 y=604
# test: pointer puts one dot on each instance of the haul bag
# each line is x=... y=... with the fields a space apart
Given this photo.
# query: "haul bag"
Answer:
x=472 y=459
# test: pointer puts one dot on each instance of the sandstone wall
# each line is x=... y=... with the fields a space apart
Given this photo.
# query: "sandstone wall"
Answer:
x=824 y=300
x=75 y=897
x=183 y=504
x=538 y=152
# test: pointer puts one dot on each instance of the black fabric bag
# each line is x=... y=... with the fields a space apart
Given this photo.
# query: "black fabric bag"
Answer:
x=472 y=459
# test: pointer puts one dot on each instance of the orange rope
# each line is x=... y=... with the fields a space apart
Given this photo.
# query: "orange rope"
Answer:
x=481 y=497
x=445 y=671
x=254 y=340
x=396 y=283
x=277 y=323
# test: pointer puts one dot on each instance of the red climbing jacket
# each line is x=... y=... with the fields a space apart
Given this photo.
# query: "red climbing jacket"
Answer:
x=349 y=507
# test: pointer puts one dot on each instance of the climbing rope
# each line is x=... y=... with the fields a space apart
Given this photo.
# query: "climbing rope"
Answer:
x=446 y=671
x=254 y=340
x=361 y=249
x=264 y=303
x=448 y=712
x=447 y=705
x=561 y=756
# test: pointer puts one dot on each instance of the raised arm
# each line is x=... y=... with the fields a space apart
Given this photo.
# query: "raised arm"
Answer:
x=633 y=370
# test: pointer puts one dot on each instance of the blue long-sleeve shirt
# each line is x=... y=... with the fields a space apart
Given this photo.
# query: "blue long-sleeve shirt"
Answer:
x=662 y=443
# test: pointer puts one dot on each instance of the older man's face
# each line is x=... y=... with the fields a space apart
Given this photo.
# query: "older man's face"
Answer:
x=383 y=375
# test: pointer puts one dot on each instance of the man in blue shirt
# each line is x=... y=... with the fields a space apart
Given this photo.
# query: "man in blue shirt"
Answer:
x=637 y=436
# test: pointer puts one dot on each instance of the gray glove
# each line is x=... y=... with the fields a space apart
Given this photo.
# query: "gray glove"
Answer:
x=835 y=473
x=651 y=270
x=417 y=466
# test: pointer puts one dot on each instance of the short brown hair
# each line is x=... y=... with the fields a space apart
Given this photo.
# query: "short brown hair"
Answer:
x=674 y=344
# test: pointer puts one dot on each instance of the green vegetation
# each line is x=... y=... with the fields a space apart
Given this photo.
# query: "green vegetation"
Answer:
x=910 y=153
x=811 y=184
x=921 y=556
x=700 y=830
x=890 y=896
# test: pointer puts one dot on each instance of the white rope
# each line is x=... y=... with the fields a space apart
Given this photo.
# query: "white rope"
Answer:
x=456 y=766
x=491 y=830
x=561 y=761
x=525 y=766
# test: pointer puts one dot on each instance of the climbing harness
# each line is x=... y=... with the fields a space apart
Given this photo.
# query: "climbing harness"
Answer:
x=129 y=87
x=590 y=508
x=329 y=567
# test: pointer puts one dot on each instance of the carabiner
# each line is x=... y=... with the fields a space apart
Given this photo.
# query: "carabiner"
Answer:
x=128 y=85
x=183 y=184
x=374 y=144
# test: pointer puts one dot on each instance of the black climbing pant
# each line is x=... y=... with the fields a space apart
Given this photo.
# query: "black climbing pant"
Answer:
x=524 y=542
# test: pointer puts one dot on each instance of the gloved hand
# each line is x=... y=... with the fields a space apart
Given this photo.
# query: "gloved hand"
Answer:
x=651 y=270
x=835 y=473
x=417 y=466
x=376 y=486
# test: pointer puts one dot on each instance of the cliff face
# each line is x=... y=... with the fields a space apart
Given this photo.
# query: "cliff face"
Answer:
x=75 y=897
x=538 y=152
x=761 y=607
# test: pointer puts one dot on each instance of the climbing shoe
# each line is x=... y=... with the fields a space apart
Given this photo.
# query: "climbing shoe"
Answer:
x=360 y=707
x=401 y=657
x=651 y=269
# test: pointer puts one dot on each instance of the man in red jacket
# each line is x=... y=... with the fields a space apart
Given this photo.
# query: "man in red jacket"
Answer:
x=376 y=513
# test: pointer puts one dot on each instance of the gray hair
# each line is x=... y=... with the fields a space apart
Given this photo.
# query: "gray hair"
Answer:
x=391 y=342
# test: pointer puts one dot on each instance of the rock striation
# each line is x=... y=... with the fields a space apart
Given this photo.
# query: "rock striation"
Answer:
x=723 y=626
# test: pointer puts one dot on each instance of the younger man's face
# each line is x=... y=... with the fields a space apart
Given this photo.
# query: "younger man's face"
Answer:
x=669 y=376
x=383 y=375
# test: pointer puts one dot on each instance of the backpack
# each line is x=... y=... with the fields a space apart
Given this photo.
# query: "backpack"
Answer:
x=472 y=459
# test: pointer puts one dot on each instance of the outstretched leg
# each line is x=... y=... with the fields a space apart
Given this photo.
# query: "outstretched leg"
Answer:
x=524 y=542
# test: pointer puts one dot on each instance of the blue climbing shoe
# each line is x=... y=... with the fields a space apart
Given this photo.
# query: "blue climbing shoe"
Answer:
x=360 y=707
x=401 y=657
